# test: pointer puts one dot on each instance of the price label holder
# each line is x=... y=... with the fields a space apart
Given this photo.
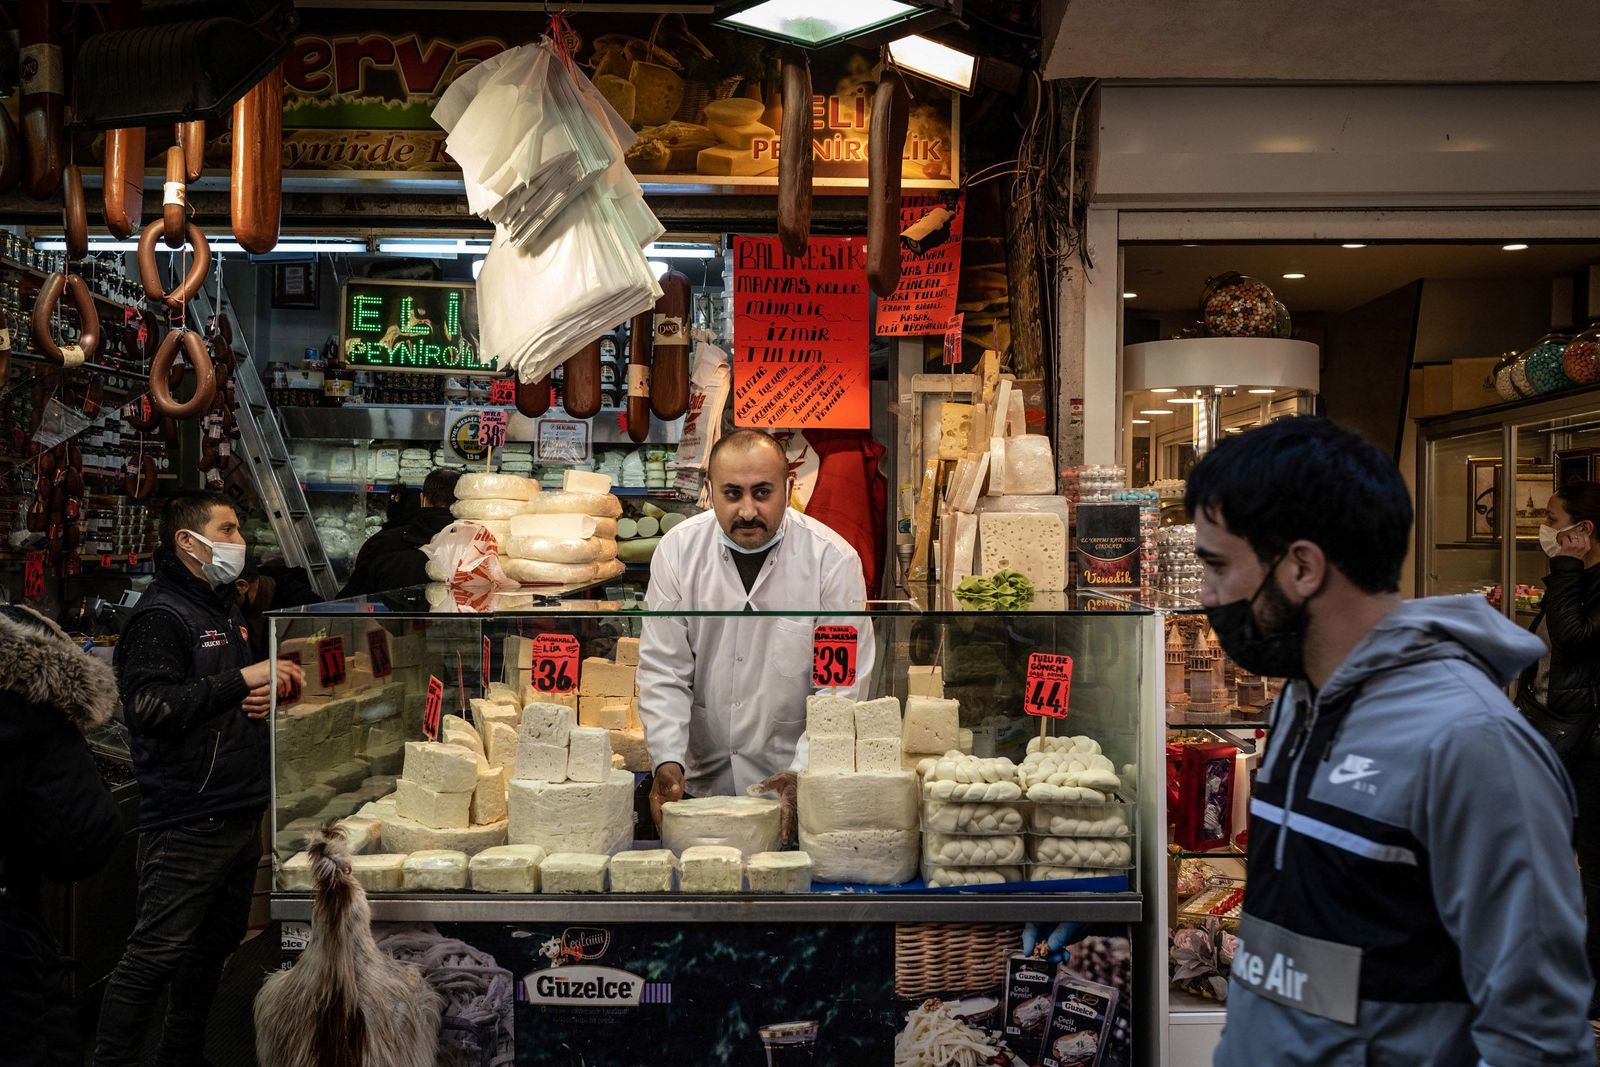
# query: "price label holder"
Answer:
x=330 y=661
x=378 y=653
x=1048 y=684
x=434 y=709
x=294 y=687
x=33 y=575
x=833 y=656
x=555 y=663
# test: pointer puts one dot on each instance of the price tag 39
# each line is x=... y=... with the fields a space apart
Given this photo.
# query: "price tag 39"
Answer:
x=433 y=710
x=555 y=663
x=378 y=653
x=1048 y=685
x=330 y=661
x=833 y=656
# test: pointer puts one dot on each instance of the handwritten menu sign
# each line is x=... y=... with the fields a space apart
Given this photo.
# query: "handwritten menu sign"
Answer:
x=930 y=266
x=800 y=343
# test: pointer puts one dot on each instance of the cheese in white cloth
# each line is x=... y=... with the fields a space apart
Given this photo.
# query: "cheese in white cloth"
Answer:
x=495 y=487
x=576 y=481
x=589 y=757
x=885 y=800
x=295 y=874
x=473 y=510
x=506 y=869
x=1033 y=545
x=880 y=754
x=441 y=768
x=538 y=572
x=1030 y=465
x=435 y=870
x=539 y=762
x=832 y=752
x=401 y=834
x=561 y=524
x=932 y=724
x=382 y=873
x=439 y=811
x=878 y=718
x=749 y=824
x=561 y=549
x=711 y=869
x=574 y=872
x=645 y=871
x=489 y=798
x=779 y=872
x=600 y=505
x=866 y=857
x=548 y=724
x=573 y=816
x=826 y=714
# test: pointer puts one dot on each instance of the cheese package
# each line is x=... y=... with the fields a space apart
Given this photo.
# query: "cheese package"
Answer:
x=439 y=811
x=538 y=762
x=711 y=869
x=441 y=768
x=831 y=715
x=538 y=572
x=454 y=730
x=832 y=752
x=881 y=754
x=1033 y=545
x=878 y=718
x=974 y=850
x=1030 y=466
x=974 y=818
x=574 y=872
x=600 y=677
x=600 y=505
x=885 y=800
x=932 y=724
x=940 y=876
x=1081 y=820
x=560 y=549
x=1083 y=851
x=573 y=816
x=589 y=758
x=489 y=798
x=749 y=824
x=547 y=724
x=576 y=481
x=923 y=681
x=628 y=651
x=561 y=525
x=779 y=872
x=645 y=871
x=955 y=429
x=401 y=834
x=382 y=873
x=295 y=874
x=506 y=869
x=866 y=857
x=474 y=510
x=435 y=870
x=630 y=745
x=494 y=487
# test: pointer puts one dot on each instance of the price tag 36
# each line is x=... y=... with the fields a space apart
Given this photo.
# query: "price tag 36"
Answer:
x=833 y=656
x=330 y=661
x=555 y=663
x=1048 y=685
x=434 y=709
x=378 y=653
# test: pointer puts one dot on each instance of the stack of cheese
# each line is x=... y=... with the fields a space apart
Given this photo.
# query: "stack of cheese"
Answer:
x=607 y=695
x=566 y=797
x=492 y=500
x=1080 y=828
x=857 y=806
x=932 y=725
x=973 y=821
x=565 y=537
x=448 y=797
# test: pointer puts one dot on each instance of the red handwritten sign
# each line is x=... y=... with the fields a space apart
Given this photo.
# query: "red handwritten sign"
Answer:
x=503 y=391
x=294 y=687
x=492 y=429
x=555 y=663
x=952 y=340
x=930 y=266
x=330 y=661
x=833 y=656
x=378 y=653
x=1048 y=685
x=33 y=575
x=433 y=709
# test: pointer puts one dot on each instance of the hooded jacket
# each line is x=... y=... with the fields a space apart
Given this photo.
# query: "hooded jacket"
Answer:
x=392 y=558
x=1571 y=615
x=1412 y=896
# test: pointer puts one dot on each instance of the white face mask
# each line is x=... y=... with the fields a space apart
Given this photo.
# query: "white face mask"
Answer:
x=741 y=549
x=227 y=559
x=1549 y=539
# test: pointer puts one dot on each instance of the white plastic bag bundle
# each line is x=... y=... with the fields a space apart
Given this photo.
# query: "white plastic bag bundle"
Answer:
x=465 y=554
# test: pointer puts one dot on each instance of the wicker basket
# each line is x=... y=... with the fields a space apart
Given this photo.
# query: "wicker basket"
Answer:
x=696 y=95
x=940 y=959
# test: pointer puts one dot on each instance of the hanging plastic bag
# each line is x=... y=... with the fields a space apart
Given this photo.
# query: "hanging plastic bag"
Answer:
x=466 y=554
x=59 y=423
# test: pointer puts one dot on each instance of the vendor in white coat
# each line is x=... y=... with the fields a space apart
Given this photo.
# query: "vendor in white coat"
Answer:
x=723 y=699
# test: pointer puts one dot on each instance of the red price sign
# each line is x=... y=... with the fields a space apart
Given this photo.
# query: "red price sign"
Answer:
x=435 y=706
x=555 y=663
x=33 y=575
x=952 y=339
x=1048 y=685
x=503 y=391
x=483 y=679
x=833 y=656
x=330 y=661
x=492 y=429
x=294 y=687
x=378 y=653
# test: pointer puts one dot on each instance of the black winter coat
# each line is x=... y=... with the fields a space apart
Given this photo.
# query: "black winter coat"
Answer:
x=392 y=558
x=62 y=822
x=1572 y=619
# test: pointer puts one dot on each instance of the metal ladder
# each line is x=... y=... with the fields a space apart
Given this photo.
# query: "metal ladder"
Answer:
x=266 y=458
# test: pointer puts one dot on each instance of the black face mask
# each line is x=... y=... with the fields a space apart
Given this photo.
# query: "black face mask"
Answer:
x=1278 y=654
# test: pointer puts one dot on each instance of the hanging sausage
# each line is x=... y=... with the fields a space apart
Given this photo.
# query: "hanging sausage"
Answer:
x=75 y=213
x=174 y=200
x=256 y=189
x=194 y=350
x=640 y=333
x=533 y=398
x=44 y=100
x=122 y=191
x=44 y=309
x=11 y=152
x=580 y=389
x=794 y=155
x=150 y=273
x=191 y=138
x=669 y=361
x=891 y=113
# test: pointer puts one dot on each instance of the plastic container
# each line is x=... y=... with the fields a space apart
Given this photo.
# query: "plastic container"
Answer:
x=1581 y=360
x=1052 y=872
x=1283 y=327
x=964 y=850
x=1082 y=820
x=1089 y=852
x=972 y=817
x=1235 y=305
x=1542 y=364
x=943 y=876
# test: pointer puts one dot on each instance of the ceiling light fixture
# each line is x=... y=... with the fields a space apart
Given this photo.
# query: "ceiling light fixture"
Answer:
x=1183 y=400
x=1263 y=392
x=1514 y=248
x=1140 y=422
x=433 y=246
x=1353 y=245
x=1157 y=411
x=671 y=251
x=1164 y=391
x=1293 y=276
x=938 y=63
x=1130 y=296
x=820 y=23
x=345 y=245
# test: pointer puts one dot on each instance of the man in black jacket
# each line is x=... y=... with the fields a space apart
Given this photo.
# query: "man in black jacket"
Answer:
x=195 y=705
x=392 y=558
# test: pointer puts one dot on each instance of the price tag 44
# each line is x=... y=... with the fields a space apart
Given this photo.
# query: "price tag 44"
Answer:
x=1048 y=685
x=833 y=656
x=555 y=663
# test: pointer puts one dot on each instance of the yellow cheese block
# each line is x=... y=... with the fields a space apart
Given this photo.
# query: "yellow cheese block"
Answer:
x=955 y=430
x=742 y=137
x=728 y=161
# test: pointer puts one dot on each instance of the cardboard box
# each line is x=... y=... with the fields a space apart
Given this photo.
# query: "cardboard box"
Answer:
x=1467 y=383
x=1430 y=390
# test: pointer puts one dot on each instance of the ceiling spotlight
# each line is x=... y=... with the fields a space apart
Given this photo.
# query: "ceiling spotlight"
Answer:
x=1233 y=429
x=820 y=23
x=1514 y=248
x=1140 y=422
x=1163 y=391
x=1353 y=245
x=938 y=63
x=1182 y=400
x=1263 y=392
x=1129 y=296
x=1157 y=411
x=1293 y=276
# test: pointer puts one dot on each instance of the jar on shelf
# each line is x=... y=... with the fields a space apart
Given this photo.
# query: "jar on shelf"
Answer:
x=1581 y=360
x=1283 y=325
x=1235 y=305
x=1542 y=364
x=1505 y=388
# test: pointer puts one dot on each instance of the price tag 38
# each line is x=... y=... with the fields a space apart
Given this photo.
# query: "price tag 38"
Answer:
x=555 y=663
x=330 y=661
x=432 y=711
x=833 y=656
x=1048 y=685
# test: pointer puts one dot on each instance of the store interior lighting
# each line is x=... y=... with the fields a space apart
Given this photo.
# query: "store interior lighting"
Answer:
x=658 y=267
x=1140 y=422
x=1353 y=245
x=1263 y=392
x=820 y=23
x=1130 y=296
x=432 y=246
x=681 y=251
x=1518 y=247
x=1164 y=392
x=1293 y=276
x=1157 y=411
x=219 y=245
x=936 y=62
x=1182 y=400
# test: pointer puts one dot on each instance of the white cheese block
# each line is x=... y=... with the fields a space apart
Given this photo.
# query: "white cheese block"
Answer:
x=1002 y=404
x=576 y=481
x=441 y=768
x=295 y=874
x=507 y=869
x=749 y=824
x=867 y=857
x=406 y=835
x=361 y=833
x=454 y=730
x=548 y=724
x=832 y=752
x=932 y=724
x=494 y=487
x=600 y=505
x=600 y=677
x=965 y=741
x=924 y=681
x=628 y=650
x=489 y=798
x=574 y=872
x=955 y=429
x=574 y=816
x=439 y=811
x=878 y=718
x=885 y=800
x=561 y=549
x=779 y=872
x=645 y=871
x=1034 y=545
x=1016 y=414
x=538 y=762
x=474 y=510
x=609 y=713
x=499 y=706
x=997 y=466
x=630 y=745
x=436 y=870
x=963 y=547
x=562 y=525
x=1030 y=466
x=878 y=754
x=711 y=869
x=380 y=809
x=538 y=572
x=589 y=758
x=382 y=873
x=831 y=715
x=501 y=743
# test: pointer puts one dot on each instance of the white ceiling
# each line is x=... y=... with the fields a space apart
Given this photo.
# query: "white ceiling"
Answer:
x=1327 y=40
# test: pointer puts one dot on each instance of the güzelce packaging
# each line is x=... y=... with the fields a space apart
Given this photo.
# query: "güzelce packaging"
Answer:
x=1079 y=1013
x=1029 y=985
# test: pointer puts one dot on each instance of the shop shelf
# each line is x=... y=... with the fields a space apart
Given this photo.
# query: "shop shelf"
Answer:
x=13 y=267
x=1214 y=854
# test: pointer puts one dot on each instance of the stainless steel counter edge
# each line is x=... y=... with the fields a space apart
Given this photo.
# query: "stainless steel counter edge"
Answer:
x=849 y=908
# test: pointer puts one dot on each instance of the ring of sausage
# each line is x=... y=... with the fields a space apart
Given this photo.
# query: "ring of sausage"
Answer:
x=194 y=348
x=150 y=274
x=44 y=309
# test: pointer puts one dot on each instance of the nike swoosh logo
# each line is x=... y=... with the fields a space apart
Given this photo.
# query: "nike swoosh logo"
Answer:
x=1339 y=776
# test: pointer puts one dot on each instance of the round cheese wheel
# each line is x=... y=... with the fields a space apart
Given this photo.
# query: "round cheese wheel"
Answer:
x=538 y=572
x=488 y=509
x=501 y=528
x=561 y=549
x=603 y=505
x=495 y=487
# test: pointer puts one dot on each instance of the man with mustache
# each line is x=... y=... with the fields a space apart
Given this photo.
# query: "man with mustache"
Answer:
x=723 y=699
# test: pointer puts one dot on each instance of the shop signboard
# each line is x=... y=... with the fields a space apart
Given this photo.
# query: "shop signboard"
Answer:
x=417 y=327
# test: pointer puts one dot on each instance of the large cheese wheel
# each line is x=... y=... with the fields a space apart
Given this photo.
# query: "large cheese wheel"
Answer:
x=495 y=487
x=538 y=572
x=561 y=549
x=501 y=528
x=488 y=509
x=602 y=505
x=552 y=524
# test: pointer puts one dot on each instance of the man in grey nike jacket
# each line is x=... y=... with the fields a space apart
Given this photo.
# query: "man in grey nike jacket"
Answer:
x=1412 y=895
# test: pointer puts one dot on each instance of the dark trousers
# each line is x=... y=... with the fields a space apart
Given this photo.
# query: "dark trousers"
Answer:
x=38 y=1021
x=1586 y=782
x=195 y=885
